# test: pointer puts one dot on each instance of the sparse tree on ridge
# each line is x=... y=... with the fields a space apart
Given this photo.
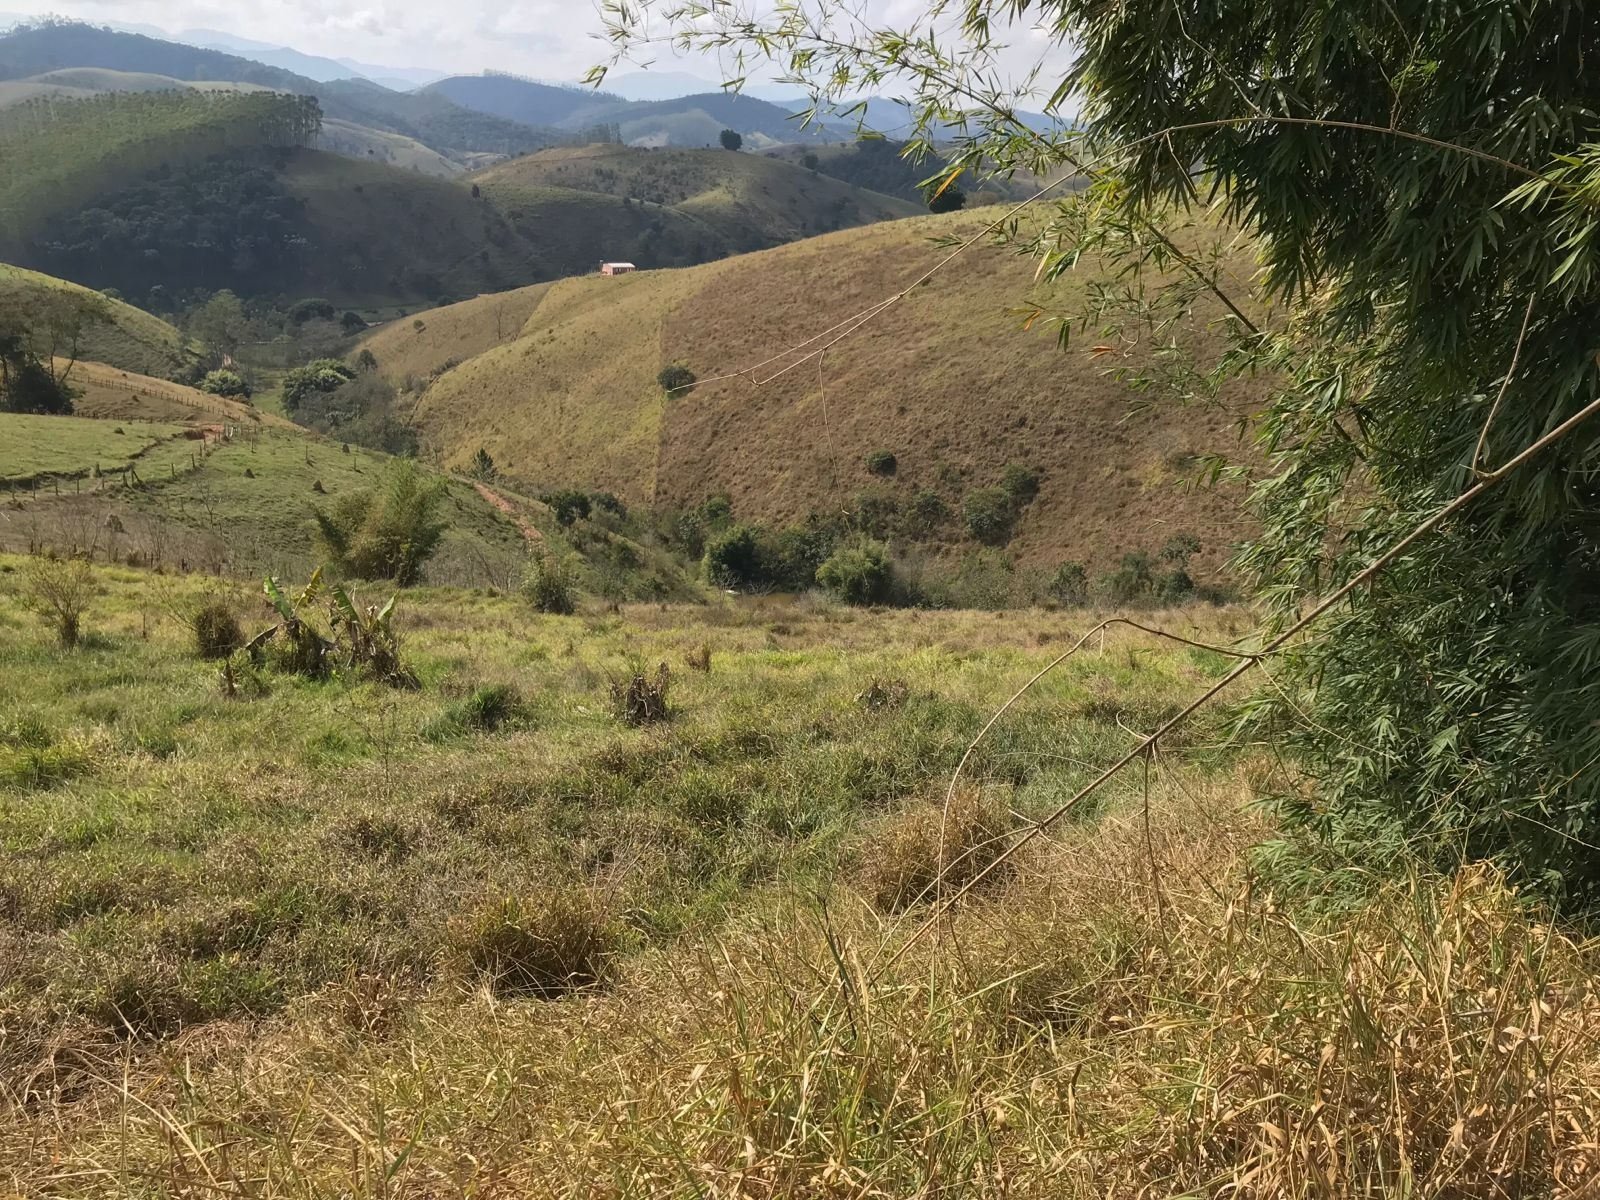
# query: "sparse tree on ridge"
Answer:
x=731 y=140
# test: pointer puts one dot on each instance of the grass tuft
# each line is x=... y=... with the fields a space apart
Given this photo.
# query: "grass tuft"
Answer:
x=542 y=944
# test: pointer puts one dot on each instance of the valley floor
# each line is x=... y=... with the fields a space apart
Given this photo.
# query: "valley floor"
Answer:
x=483 y=938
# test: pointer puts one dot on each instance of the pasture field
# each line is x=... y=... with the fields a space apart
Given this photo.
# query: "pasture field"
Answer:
x=485 y=937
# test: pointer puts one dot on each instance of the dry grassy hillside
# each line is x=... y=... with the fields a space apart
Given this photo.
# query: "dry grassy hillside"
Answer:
x=945 y=381
x=108 y=393
x=420 y=347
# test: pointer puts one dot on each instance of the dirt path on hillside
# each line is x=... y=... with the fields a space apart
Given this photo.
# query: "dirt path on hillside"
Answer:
x=529 y=533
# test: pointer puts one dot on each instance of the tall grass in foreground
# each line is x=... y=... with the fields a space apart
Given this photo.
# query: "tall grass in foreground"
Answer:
x=1131 y=1015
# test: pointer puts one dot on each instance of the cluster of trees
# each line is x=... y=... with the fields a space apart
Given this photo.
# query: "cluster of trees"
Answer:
x=224 y=221
x=352 y=403
x=61 y=154
x=41 y=338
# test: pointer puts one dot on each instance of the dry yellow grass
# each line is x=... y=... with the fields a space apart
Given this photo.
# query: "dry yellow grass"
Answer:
x=453 y=333
x=113 y=394
x=1132 y=1017
x=944 y=380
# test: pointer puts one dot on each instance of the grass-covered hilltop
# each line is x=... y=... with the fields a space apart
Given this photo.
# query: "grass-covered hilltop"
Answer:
x=956 y=633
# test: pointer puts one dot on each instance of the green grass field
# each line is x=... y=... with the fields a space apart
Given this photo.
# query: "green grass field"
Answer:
x=484 y=937
x=31 y=445
x=243 y=505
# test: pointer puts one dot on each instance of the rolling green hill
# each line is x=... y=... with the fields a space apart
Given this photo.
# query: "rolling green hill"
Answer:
x=670 y=207
x=60 y=155
x=694 y=120
x=290 y=222
x=140 y=202
x=944 y=381
x=133 y=341
x=51 y=46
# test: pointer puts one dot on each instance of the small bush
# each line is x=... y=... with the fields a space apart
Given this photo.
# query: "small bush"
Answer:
x=545 y=944
x=60 y=590
x=492 y=706
x=858 y=574
x=225 y=383
x=733 y=559
x=876 y=511
x=901 y=866
x=882 y=462
x=640 y=698
x=990 y=515
x=926 y=512
x=568 y=505
x=1174 y=587
x=1020 y=483
x=386 y=534
x=216 y=631
x=1133 y=580
x=675 y=378
x=1069 y=584
x=551 y=586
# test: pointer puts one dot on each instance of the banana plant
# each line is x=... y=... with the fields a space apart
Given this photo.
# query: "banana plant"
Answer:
x=368 y=638
x=293 y=624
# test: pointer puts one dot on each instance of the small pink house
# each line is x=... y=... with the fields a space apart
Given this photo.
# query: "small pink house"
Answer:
x=616 y=268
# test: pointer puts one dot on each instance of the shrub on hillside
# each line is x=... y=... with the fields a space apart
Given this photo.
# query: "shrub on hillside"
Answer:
x=551 y=586
x=925 y=513
x=990 y=515
x=1133 y=581
x=60 y=590
x=568 y=505
x=876 y=510
x=225 y=383
x=1069 y=584
x=882 y=462
x=798 y=551
x=734 y=559
x=858 y=574
x=1020 y=483
x=388 y=533
x=675 y=378
x=319 y=375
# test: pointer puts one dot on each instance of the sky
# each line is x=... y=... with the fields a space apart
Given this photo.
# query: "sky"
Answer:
x=546 y=39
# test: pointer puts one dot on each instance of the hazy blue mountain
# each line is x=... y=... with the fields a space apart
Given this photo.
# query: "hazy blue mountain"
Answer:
x=312 y=66
x=399 y=78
